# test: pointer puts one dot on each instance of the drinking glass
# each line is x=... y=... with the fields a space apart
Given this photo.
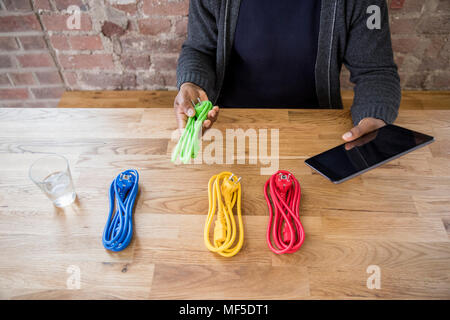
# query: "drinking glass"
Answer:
x=52 y=175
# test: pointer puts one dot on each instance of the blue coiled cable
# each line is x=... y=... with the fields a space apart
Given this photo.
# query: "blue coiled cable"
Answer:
x=119 y=228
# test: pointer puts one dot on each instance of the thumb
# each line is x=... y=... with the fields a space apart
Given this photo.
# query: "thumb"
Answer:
x=366 y=125
x=361 y=129
x=353 y=134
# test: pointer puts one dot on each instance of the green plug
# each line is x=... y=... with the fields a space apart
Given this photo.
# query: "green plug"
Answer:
x=188 y=146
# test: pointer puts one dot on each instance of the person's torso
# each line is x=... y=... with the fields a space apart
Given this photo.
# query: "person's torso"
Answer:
x=272 y=63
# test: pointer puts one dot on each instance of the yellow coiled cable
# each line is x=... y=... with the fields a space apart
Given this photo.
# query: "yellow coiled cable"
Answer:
x=224 y=190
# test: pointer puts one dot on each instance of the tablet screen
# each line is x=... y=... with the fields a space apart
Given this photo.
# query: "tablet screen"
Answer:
x=375 y=148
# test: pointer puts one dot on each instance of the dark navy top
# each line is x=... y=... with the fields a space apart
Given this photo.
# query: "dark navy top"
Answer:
x=273 y=57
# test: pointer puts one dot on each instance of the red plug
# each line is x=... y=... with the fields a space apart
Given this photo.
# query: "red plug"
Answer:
x=283 y=184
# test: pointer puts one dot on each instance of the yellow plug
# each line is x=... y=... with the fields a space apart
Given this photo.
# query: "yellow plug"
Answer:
x=229 y=186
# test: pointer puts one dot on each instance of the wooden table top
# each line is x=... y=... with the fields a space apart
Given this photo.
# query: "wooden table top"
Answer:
x=395 y=217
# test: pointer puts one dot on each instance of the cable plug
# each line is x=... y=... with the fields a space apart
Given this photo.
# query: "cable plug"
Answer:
x=124 y=183
x=229 y=186
x=286 y=234
x=283 y=183
x=220 y=229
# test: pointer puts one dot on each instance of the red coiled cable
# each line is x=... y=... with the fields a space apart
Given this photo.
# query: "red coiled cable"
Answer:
x=284 y=228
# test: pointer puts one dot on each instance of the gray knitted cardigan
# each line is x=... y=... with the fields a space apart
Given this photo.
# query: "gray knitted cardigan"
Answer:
x=344 y=37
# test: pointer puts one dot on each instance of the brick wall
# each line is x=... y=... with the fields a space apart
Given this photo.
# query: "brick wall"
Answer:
x=134 y=44
x=420 y=39
x=29 y=76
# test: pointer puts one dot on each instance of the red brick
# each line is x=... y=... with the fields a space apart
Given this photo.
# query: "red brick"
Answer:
x=6 y=62
x=169 y=46
x=181 y=27
x=435 y=25
x=8 y=44
x=58 y=22
x=42 y=5
x=136 y=44
x=86 y=61
x=71 y=78
x=440 y=80
x=397 y=4
x=33 y=42
x=35 y=60
x=165 y=63
x=130 y=8
x=48 y=92
x=151 y=80
x=166 y=8
x=110 y=29
x=109 y=80
x=403 y=25
x=405 y=45
x=410 y=6
x=14 y=5
x=22 y=78
x=170 y=79
x=59 y=42
x=19 y=23
x=13 y=94
x=64 y=4
x=434 y=57
x=399 y=60
x=413 y=81
x=143 y=43
x=49 y=77
x=4 y=80
x=86 y=42
x=154 y=26
x=136 y=62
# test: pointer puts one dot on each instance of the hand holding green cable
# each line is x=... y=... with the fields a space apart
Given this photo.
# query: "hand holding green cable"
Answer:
x=184 y=108
x=189 y=143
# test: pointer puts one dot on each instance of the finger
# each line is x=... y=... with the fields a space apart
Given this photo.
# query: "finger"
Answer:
x=365 y=126
x=188 y=109
x=350 y=145
x=185 y=104
x=181 y=119
x=212 y=115
x=207 y=124
x=178 y=134
x=202 y=95
x=353 y=134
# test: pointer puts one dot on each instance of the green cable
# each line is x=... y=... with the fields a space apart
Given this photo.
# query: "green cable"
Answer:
x=189 y=143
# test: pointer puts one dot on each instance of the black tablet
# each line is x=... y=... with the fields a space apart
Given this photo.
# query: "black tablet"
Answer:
x=370 y=151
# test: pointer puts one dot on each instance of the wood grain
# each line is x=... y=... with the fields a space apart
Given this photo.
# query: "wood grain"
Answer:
x=417 y=100
x=396 y=217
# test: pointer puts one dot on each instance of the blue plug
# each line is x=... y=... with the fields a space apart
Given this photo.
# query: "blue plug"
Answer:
x=124 y=183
